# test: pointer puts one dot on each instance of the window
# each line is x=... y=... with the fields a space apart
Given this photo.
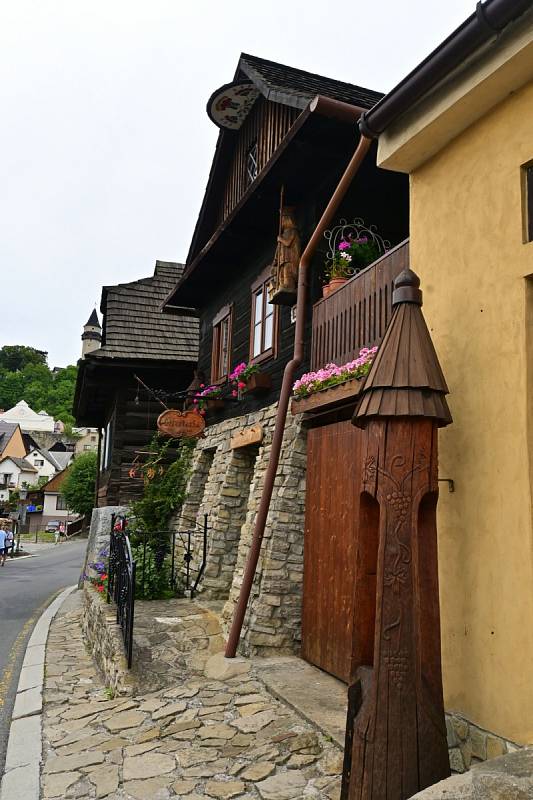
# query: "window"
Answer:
x=61 y=504
x=252 y=163
x=93 y=438
x=88 y=447
x=263 y=319
x=221 y=344
x=38 y=463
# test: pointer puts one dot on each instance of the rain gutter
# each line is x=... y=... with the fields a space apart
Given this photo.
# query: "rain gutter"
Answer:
x=480 y=29
x=344 y=112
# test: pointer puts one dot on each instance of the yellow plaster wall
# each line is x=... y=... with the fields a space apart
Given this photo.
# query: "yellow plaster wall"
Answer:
x=15 y=446
x=467 y=247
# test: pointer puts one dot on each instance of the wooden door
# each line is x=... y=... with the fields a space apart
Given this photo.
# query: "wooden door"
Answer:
x=332 y=510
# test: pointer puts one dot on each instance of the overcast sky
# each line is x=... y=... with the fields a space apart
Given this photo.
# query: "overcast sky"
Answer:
x=105 y=145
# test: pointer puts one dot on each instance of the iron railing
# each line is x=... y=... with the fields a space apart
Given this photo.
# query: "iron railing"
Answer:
x=121 y=581
x=189 y=569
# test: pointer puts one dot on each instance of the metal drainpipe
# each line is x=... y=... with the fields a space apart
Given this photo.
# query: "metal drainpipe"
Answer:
x=325 y=105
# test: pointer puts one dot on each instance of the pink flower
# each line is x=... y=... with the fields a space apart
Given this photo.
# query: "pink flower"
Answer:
x=241 y=385
x=234 y=393
x=344 y=245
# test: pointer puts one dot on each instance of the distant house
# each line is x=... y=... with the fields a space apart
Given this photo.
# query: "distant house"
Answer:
x=15 y=473
x=88 y=440
x=47 y=464
x=54 y=505
x=138 y=341
x=28 y=419
x=11 y=440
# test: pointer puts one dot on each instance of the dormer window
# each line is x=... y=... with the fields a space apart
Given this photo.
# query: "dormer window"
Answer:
x=251 y=162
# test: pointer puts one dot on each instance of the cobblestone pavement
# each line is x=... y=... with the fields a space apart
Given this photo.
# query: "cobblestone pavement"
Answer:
x=203 y=738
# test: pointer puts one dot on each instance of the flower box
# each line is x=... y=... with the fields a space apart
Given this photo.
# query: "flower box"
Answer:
x=326 y=398
x=258 y=383
x=215 y=404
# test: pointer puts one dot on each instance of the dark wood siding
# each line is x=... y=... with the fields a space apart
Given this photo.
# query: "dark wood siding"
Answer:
x=267 y=123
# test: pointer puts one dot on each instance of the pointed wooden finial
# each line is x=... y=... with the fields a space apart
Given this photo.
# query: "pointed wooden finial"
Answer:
x=406 y=379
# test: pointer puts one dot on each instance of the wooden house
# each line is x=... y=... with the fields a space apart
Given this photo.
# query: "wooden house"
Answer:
x=285 y=139
x=138 y=342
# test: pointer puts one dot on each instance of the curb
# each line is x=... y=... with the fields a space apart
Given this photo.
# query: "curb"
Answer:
x=24 y=747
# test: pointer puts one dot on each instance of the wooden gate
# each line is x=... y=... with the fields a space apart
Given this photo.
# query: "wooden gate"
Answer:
x=332 y=510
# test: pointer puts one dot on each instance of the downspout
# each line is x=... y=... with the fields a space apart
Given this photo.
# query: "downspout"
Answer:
x=343 y=111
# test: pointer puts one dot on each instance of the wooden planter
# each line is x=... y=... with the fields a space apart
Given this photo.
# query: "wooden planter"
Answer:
x=258 y=383
x=215 y=404
x=327 y=398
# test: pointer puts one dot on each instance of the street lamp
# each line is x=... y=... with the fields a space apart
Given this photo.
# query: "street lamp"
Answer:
x=23 y=493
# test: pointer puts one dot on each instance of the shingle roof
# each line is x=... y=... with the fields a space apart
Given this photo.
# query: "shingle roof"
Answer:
x=296 y=87
x=21 y=463
x=134 y=326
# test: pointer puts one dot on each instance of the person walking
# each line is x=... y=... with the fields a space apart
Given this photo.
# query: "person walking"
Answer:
x=3 y=545
x=10 y=541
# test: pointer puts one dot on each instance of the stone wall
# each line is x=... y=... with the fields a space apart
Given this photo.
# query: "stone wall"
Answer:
x=226 y=484
x=99 y=532
x=103 y=638
x=469 y=745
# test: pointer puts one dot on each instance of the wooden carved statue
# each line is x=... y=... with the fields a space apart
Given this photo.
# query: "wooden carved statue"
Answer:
x=286 y=260
x=396 y=733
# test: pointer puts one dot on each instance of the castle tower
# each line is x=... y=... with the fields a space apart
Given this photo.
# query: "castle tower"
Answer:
x=91 y=337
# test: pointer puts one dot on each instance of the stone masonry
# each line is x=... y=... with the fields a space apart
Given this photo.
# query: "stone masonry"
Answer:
x=226 y=484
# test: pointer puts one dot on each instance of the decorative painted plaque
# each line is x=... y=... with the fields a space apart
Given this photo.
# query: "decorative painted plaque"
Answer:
x=180 y=423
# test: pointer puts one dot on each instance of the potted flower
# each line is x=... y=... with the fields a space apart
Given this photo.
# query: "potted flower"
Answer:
x=209 y=398
x=249 y=378
x=351 y=254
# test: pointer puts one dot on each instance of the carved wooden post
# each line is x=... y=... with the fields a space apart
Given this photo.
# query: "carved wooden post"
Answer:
x=396 y=740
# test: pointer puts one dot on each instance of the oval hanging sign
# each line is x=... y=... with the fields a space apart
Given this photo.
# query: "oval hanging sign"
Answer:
x=178 y=424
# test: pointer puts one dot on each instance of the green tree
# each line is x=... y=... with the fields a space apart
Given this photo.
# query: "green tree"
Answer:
x=14 y=358
x=24 y=375
x=79 y=484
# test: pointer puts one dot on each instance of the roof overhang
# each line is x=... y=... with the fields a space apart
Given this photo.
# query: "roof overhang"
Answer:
x=471 y=89
x=315 y=149
x=98 y=380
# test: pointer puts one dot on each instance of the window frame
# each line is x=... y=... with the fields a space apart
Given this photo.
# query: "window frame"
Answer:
x=225 y=314
x=261 y=283
x=61 y=503
x=252 y=157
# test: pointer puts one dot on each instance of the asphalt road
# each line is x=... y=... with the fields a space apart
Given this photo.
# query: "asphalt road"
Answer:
x=27 y=585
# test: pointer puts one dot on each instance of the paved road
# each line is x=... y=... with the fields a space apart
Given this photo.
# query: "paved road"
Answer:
x=26 y=587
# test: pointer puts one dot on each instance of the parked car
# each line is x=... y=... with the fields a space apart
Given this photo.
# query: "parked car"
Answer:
x=52 y=526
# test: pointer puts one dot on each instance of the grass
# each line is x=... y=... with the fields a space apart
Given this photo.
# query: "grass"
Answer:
x=42 y=536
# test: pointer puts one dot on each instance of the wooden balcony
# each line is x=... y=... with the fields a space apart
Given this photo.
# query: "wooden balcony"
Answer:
x=357 y=314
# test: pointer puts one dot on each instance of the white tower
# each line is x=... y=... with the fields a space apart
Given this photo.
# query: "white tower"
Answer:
x=91 y=337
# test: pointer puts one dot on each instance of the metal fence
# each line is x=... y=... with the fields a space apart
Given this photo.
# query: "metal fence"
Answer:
x=161 y=551
x=121 y=581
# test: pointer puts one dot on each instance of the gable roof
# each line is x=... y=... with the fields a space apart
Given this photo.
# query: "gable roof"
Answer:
x=135 y=328
x=50 y=457
x=21 y=463
x=7 y=431
x=296 y=87
x=281 y=84
x=54 y=484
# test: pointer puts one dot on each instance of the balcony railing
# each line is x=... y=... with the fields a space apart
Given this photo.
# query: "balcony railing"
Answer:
x=357 y=314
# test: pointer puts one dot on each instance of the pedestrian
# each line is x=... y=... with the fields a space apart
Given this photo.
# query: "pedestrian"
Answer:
x=56 y=536
x=3 y=548
x=9 y=542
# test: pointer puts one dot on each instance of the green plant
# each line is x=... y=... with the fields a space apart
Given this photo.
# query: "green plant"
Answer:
x=110 y=692
x=79 y=484
x=165 y=483
x=153 y=580
x=351 y=256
